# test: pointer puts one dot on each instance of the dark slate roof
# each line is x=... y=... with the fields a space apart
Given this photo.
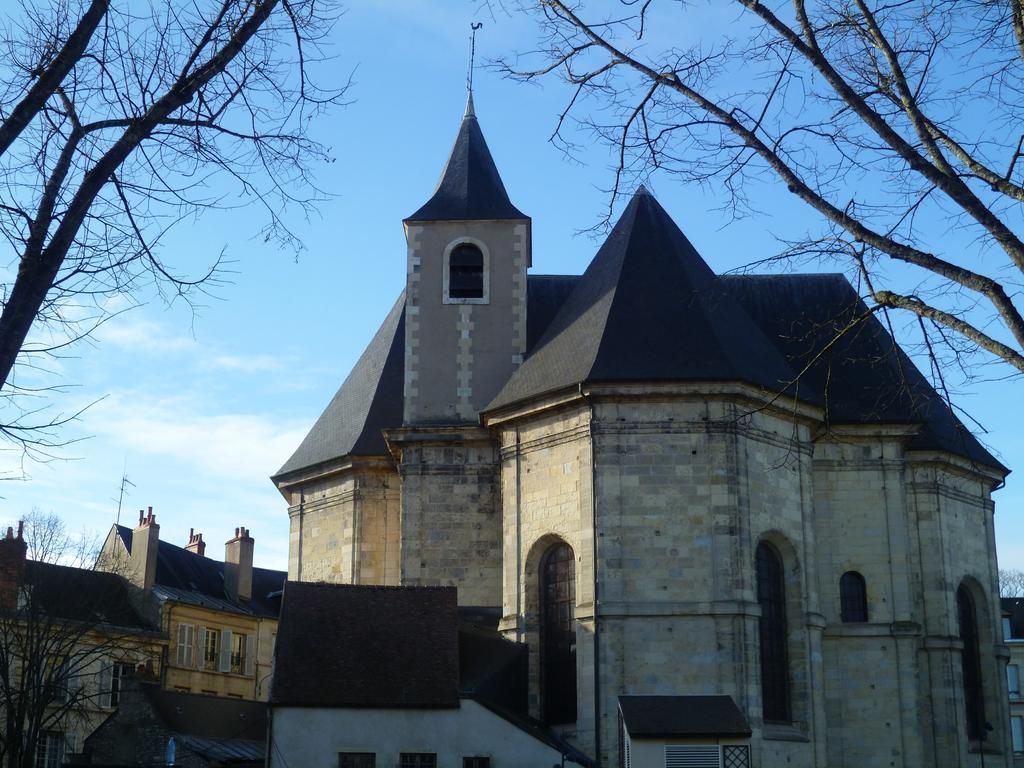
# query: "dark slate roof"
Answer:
x=226 y=751
x=668 y=716
x=470 y=187
x=78 y=594
x=341 y=645
x=1013 y=608
x=190 y=578
x=209 y=717
x=647 y=286
x=855 y=370
x=368 y=401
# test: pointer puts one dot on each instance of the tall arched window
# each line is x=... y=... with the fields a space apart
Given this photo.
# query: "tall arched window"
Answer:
x=853 y=597
x=466 y=272
x=970 y=661
x=558 y=634
x=771 y=596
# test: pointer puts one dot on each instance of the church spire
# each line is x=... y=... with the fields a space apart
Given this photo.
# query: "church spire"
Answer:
x=470 y=188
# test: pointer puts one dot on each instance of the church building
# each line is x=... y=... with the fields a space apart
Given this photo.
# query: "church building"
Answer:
x=665 y=482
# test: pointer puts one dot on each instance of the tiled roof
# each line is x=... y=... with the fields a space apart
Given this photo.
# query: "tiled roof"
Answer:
x=647 y=309
x=668 y=716
x=368 y=401
x=187 y=577
x=78 y=594
x=470 y=188
x=342 y=645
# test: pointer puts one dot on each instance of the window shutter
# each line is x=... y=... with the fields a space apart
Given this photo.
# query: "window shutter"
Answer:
x=692 y=756
x=225 y=651
x=180 y=657
x=201 y=647
x=106 y=681
x=248 y=655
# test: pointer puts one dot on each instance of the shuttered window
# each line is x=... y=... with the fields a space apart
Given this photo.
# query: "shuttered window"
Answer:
x=417 y=760
x=186 y=636
x=466 y=272
x=692 y=756
x=209 y=641
x=357 y=760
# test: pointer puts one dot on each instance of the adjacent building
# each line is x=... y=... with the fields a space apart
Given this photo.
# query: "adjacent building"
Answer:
x=67 y=638
x=1013 y=636
x=666 y=482
x=220 y=617
x=390 y=676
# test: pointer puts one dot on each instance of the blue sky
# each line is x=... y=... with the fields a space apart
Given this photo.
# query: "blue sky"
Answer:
x=200 y=410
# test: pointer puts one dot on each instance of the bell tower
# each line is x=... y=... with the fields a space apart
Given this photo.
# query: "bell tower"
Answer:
x=468 y=252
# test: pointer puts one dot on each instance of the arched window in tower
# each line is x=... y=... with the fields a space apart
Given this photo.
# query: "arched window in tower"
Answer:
x=853 y=598
x=466 y=272
x=970 y=661
x=558 y=634
x=771 y=596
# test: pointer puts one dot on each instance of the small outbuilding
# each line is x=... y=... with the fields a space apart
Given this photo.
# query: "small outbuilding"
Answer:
x=370 y=676
x=683 y=731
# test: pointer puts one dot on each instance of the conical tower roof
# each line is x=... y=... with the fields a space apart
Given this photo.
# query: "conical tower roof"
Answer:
x=648 y=308
x=470 y=188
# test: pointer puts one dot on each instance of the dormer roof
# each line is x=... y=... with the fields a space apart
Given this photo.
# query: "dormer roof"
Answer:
x=470 y=188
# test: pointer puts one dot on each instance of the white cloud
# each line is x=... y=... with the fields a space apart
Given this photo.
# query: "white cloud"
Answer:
x=232 y=447
x=243 y=363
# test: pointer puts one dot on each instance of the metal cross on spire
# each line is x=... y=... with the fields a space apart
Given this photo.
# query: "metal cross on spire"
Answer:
x=473 y=27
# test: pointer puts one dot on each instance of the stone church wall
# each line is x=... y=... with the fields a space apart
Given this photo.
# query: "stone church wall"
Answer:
x=345 y=528
x=951 y=514
x=451 y=521
x=684 y=491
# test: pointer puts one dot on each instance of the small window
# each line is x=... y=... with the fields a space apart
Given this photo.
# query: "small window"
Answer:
x=211 y=651
x=476 y=762
x=238 y=641
x=118 y=672
x=853 y=598
x=1013 y=680
x=1007 y=631
x=357 y=760
x=466 y=272
x=50 y=750
x=1017 y=733
x=418 y=760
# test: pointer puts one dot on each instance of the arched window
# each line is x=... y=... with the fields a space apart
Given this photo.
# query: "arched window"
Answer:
x=771 y=596
x=853 y=597
x=558 y=634
x=970 y=661
x=466 y=272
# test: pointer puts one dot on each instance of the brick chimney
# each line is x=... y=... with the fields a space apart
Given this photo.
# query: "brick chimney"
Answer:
x=12 y=566
x=238 y=565
x=195 y=543
x=145 y=537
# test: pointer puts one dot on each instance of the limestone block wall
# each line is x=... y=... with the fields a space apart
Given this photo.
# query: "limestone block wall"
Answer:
x=450 y=519
x=460 y=352
x=952 y=515
x=345 y=527
x=862 y=525
x=546 y=486
x=684 y=490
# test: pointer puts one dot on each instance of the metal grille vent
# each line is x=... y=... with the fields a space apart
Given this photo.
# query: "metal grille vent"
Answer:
x=736 y=756
x=692 y=756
